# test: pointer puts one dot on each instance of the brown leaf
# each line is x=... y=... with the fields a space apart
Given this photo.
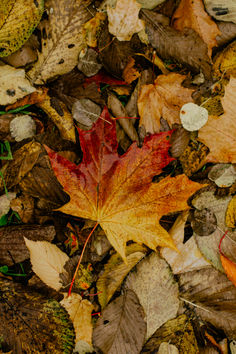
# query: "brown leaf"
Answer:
x=179 y=141
x=92 y=28
x=228 y=32
x=88 y=63
x=12 y=245
x=193 y=158
x=192 y=14
x=185 y=47
x=130 y=73
x=85 y=112
x=121 y=327
x=212 y=296
x=24 y=206
x=35 y=97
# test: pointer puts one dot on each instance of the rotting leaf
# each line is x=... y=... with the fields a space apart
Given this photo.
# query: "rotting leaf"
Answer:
x=19 y=22
x=99 y=186
x=115 y=271
x=230 y=218
x=224 y=175
x=193 y=157
x=204 y=222
x=225 y=62
x=151 y=281
x=32 y=323
x=88 y=63
x=121 y=327
x=62 y=40
x=225 y=10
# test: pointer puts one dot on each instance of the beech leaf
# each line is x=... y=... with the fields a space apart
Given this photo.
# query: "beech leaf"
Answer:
x=152 y=281
x=47 y=261
x=117 y=191
x=121 y=327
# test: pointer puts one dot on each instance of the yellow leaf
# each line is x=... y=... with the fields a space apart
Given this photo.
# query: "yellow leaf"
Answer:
x=230 y=218
x=123 y=19
x=92 y=27
x=5 y=8
x=225 y=62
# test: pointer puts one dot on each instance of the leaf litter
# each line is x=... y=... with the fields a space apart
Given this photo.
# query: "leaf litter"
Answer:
x=119 y=187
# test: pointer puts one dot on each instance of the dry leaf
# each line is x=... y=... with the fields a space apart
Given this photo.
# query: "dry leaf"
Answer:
x=151 y=282
x=92 y=28
x=228 y=32
x=20 y=17
x=230 y=218
x=179 y=141
x=225 y=62
x=224 y=175
x=61 y=117
x=162 y=99
x=121 y=327
x=80 y=315
x=124 y=20
x=166 y=348
x=230 y=268
x=62 y=39
x=219 y=132
x=189 y=257
x=179 y=332
x=193 y=157
x=85 y=112
x=99 y=186
x=32 y=323
x=192 y=14
x=47 y=261
x=130 y=73
x=193 y=117
x=24 y=206
x=13 y=84
x=33 y=98
x=115 y=271
x=223 y=10
x=212 y=296
x=88 y=63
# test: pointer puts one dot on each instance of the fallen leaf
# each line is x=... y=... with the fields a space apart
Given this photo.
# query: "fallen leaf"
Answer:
x=88 y=63
x=12 y=245
x=219 y=132
x=233 y=347
x=204 y=222
x=23 y=56
x=33 y=98
x=225 y=62
x=212 y=296
x=193 y=117
x=19 y=20
x=179 y=141
x=62 y=39
x=80 y=315
x=13 y=84
x=24 y=206
x=61 y=117
x=86 y=112
x=99 y=186
x=224 y=175
x=115 y=271
x=92 y=28
x=166 y=348
x=152 y=281
x=230 y=217
x=193 y=157
x=5 y=8
x=189 y=257
x=178 y=331
x=162 y=99
x=230 y=268
x=30 y=322
x=228 y=32
x=130 y=74
x=121 y=327
x=47 y=261
x=192 y=14
x=225 y=10
x=124 y=20
x=208 y=245
x=22 y=127
x=184 y=47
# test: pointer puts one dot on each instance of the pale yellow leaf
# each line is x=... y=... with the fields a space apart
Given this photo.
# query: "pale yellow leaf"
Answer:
x=193 y=117
x=47 y=261
x=123 y=19
x=80 y=314
x=167 y=348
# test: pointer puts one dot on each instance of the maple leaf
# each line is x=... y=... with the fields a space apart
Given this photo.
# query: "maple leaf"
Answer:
x=117 y=191
x=219 y=132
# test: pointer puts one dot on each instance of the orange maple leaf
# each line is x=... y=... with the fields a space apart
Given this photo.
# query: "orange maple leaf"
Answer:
x=117 y=191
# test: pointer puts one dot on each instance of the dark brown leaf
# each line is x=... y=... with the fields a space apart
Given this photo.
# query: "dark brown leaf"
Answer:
x=204 y=222
x=228 y=32
x=121 y=327
x=12 y=244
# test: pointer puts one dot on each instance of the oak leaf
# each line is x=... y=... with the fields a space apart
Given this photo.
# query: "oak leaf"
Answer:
x=117 y=191
x=219 y=132
x=191 y=14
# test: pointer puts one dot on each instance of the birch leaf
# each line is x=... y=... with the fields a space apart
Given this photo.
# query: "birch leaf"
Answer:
x=62 y=40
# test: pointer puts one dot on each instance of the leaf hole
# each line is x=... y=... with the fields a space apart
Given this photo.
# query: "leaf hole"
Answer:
x=105 y=322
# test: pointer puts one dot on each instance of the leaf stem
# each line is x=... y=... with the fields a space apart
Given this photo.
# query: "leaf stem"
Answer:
x=221 y=242
x=80 y=258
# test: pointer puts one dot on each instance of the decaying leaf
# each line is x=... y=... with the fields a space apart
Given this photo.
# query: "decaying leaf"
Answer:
x=219 y=132
x=61 y=117
x=193 y=117
x=116 y=270
x=179 y=141
x=225 y=62
x=32 y=323
x=184 y=47
x=208 y=245
x=230 y=217
x=36 y=97
x=24 y=206
x=223 y=10
x=193 y=157
x=204 y=222
x=162 y=99
x=12 y=245
x=47 y=261
x=92 y=28
x=192 y=14
x=151 y=282
x=178 y=331
x=22 y=127
x=212 y=296
x=130 y=74
x=124 y=20
x=189 y=257
x=224 y=175
x=88 y=63
x=13 y=84
x=20 y=17
x=121 y=327
x=86 y=112
x=100 y=185
x=62 y=39
x=80 y=315
x=230 y=268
